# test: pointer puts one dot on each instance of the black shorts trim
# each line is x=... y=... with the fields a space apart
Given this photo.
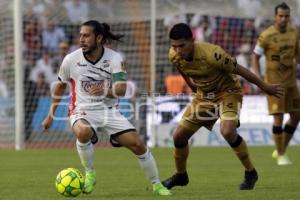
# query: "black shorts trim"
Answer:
x=94 y=138
x=113 y=142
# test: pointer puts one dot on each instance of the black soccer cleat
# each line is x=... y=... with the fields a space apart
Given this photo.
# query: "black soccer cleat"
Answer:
x=176 y=180
x=249 y=181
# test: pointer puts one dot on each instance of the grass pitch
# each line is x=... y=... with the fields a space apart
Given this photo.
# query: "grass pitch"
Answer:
x=214 y=173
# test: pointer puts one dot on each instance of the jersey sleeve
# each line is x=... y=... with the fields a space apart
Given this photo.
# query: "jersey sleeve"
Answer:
x=261 y=45
x=119 y=69
x=221 y=60
x=64 y=70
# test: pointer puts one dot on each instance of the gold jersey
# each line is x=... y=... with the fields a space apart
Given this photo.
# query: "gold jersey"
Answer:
x=279 y=49
x=211 y=68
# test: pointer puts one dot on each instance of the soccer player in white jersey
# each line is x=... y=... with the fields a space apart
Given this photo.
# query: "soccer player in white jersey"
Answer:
x=97 y=78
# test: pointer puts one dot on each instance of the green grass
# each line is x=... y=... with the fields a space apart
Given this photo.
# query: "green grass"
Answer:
x=214 y=173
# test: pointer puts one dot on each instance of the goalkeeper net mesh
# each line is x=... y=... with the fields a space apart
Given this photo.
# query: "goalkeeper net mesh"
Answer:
x=50 y=31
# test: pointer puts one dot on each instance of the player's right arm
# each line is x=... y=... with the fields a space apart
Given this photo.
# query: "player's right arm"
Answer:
x=255 y=64
x=58 y=92
x=258 y=51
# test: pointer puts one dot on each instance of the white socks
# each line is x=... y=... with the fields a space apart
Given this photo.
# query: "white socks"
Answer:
x=86 y=153
x=146 y=160
x=149 y=167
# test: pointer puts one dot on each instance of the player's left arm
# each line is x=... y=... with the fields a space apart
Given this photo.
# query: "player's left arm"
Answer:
x=297 y=52
x=118 y=79
x=271 y=89
x=119 y=85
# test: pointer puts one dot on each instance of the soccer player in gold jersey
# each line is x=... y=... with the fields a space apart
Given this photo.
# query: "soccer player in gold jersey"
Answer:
x=279 y=44
x=211 y=73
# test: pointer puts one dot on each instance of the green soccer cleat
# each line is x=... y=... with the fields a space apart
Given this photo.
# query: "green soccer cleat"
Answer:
x=283 y=160
x=89 y=182
x=159 y=189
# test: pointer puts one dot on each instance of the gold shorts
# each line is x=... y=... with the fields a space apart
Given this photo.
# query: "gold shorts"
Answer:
x=205 y=112
x=290 y=102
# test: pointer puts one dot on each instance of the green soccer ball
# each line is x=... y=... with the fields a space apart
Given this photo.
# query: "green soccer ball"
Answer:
x=69 y=182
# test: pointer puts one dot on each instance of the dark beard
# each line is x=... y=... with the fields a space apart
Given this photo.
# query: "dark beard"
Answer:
x=90 y=50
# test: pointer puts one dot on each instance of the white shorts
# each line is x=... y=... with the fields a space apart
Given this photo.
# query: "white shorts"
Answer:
x=108 y=121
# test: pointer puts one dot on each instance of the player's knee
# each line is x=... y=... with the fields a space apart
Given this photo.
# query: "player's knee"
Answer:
x=137 y=146
x=228 y=131
x=180 y=141
x=181 y=137
x=83 y=134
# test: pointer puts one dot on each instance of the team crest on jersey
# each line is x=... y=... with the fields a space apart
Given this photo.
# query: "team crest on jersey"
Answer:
x=106 y=63
x=218 y=56
x=87 y=85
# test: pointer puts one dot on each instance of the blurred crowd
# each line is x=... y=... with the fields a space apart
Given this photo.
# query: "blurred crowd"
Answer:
x=235 y=34
x=51 y=31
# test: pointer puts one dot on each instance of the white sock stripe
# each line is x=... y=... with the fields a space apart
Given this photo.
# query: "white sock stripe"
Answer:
x=145 y=156
x=82 y=145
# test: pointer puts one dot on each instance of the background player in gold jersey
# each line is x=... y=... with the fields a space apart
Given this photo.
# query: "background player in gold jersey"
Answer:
x=279 y=43
x=211 y=73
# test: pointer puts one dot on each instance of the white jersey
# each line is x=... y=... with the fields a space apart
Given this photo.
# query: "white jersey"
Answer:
x=82 y=74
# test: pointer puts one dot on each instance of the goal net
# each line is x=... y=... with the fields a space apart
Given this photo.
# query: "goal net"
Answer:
x=50 y=31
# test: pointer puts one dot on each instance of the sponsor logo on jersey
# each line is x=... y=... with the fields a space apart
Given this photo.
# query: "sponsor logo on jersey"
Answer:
x=106 y=63
x=87 y=85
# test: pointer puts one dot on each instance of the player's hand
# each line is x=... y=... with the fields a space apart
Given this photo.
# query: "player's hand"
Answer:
x=96 y=91
x=46 y=124
x=275 y=90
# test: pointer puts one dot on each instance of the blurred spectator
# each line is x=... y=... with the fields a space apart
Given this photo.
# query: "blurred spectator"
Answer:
x=104 y=8
x=221 y=34
x=75 y=43
x=7 y=66
x=176 y=85
x=181 y=17
x=56 y=12
x=44 y=65
x=37 y=6
x=202 y=28
x=249 y=33
x=30 y=98
x=29 y=13
x=43 y=87
x=3 y=87
x=57 y=60
x=243 y=58
x=228 y=34
x=250 y=8
x=77 y=11
x=32 y=39
x=52 y=36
